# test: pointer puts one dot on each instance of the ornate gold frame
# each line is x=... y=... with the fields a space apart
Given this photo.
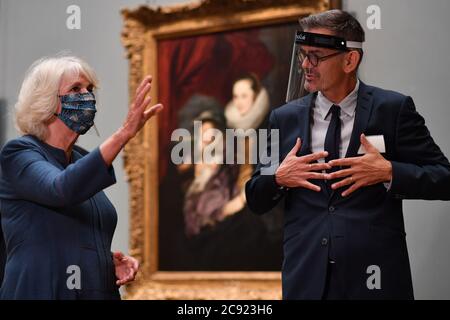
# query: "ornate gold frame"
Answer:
x=143 y=27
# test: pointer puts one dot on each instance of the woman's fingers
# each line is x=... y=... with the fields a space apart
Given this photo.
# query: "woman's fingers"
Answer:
x=130 y=277
x=140 y=97
x=152 y=111
x=142 y=91
x=129 y=270
x=118 y=254
x=146 y=103
x=136 y=265
x=145 y=81
x=138 y=113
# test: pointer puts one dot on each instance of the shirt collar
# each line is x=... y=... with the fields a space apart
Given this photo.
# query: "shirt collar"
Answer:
x=348 y=104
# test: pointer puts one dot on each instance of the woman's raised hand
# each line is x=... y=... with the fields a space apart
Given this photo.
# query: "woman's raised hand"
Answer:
x=138 y=115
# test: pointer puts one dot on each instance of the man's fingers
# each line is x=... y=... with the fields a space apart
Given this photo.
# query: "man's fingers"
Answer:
x=367 y=145
x=310 y=186
x=350 y=190
x=296 y=147
x=340 y=174
x=344 y=161
x=314 y=156
x=316 y=175
x=319 y=166
x=342 y=183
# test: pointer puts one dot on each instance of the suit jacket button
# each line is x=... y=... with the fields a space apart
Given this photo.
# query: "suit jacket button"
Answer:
x=331 y=209
x=324 y=241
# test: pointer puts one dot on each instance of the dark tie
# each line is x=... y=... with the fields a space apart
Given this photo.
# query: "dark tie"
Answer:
x=333 y=137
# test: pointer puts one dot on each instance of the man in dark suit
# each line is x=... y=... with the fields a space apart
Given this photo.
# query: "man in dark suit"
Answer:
x=344 y=235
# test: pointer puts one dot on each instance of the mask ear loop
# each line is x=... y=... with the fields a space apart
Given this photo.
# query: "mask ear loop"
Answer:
x=59 y=98
x=96 y=130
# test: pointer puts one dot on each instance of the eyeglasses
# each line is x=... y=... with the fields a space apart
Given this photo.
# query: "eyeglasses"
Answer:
x=313 y=58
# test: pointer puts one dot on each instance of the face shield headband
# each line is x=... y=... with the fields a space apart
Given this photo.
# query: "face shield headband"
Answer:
x=297 y=76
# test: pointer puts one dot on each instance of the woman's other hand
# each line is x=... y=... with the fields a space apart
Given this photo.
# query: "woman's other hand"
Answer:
x=126 y=268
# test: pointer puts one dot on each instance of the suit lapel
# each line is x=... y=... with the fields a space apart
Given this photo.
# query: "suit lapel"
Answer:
x=304 y=121
x=362 y=115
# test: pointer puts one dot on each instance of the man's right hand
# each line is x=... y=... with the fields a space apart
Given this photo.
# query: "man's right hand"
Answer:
x=295 y=171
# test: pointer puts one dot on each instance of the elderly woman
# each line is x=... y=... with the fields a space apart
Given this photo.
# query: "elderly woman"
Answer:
x=57 y=222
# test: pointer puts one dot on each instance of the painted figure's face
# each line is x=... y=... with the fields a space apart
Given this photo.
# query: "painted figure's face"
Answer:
x=243 y=96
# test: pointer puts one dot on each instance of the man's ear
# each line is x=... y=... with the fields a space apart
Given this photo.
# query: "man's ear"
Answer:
x=351 y=61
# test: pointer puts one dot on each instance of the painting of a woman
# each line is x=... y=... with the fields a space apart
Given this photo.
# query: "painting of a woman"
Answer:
x=226 y=80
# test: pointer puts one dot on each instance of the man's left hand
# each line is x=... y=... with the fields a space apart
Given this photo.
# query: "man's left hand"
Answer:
x=367 y=170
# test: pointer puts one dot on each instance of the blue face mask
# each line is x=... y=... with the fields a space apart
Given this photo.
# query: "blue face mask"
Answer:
x=78 y=111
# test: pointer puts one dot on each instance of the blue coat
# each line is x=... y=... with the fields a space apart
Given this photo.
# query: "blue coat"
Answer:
x=366 y=228
x=55 y=215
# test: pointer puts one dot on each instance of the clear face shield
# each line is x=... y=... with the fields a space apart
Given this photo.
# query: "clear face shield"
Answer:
x=297 y=75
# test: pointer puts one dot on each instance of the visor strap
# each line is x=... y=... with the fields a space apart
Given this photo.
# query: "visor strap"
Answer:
x=354 y=44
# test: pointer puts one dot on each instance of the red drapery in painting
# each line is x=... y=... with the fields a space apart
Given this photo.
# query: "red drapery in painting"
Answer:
x=206 y=65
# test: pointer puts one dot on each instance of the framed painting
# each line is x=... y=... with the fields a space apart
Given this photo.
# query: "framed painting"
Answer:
x=221 y=65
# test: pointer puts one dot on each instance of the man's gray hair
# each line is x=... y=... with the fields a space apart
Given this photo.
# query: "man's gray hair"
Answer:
x=341 y=23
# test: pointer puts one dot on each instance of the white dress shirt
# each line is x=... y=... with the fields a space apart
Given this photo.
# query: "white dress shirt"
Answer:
x=321 y=121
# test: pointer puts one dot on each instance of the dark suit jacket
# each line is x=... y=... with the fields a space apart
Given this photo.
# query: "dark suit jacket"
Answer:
x=55 y=215
x=2 y=253
x=365 y=228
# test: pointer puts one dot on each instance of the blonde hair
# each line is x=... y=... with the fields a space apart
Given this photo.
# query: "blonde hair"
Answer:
x=38 y=96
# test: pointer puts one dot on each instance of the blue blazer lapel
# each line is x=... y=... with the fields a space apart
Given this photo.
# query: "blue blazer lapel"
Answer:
x=362 y=115
x=304 y=121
